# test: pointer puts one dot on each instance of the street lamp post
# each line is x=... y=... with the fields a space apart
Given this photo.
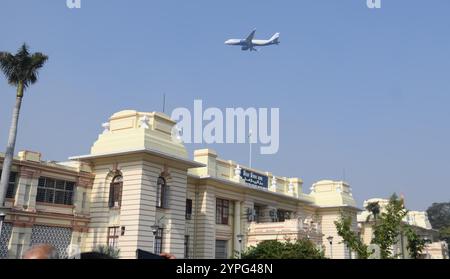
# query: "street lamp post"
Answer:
x=250 y=143
x=240 y=237
x=330 y=240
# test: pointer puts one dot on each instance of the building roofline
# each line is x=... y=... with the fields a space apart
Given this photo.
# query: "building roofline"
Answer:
x=246 y=187
x=341 y=206
x=47 y=166
x=189 y=163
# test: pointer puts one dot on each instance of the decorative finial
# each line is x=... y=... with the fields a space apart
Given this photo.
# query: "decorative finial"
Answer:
x=105 y=127
x=274 y=183
x=237 y=172
x=143 y=122
x=291 y=186
x=177 y=134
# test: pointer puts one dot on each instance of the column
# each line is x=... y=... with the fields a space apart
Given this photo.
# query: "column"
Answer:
x=138 y=210
x=237 y=227
x=20 y=241
x=247 y=206
x=175 y=216
x=81 y=198
x=26 y=189
x=206 y=224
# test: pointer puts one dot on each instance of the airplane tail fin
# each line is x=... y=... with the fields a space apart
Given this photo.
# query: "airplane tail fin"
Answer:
x=275 y=38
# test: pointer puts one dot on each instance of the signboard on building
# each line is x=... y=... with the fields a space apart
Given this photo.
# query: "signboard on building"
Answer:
x=255 y=179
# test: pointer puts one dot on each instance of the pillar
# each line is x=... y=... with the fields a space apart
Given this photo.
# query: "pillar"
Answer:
x=237 y=227
x=20 y=241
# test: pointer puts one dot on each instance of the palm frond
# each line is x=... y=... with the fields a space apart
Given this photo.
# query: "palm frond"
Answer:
x=7 y=63
x=23 y=66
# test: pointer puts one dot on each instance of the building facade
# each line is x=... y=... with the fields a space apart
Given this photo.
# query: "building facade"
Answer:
x=138 y=189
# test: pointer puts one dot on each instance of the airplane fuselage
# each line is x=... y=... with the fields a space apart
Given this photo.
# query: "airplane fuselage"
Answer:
x=249 y=43
x=241 y=42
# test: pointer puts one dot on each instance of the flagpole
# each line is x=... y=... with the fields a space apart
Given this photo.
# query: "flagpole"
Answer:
x=250 y=142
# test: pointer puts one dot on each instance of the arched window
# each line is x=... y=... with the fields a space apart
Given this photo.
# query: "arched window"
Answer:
x=161 y=193
x=115 y=192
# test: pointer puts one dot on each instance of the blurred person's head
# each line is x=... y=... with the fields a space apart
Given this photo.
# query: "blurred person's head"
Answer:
x=41 y=252
x=95 y=256
x=168 y=256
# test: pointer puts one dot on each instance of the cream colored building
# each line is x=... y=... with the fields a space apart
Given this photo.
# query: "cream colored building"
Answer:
x=138 y=189
x=58 y=214
x=418 y=220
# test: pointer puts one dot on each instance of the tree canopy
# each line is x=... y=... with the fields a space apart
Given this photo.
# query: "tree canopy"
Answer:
x=273 y=249
x=387 y=226
x=22 y=68
x=439 y=216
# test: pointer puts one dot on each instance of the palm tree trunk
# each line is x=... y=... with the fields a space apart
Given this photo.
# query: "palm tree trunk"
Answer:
x=9 y=154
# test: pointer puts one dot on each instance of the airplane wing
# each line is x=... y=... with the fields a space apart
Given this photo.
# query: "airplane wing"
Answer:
x=251 y=36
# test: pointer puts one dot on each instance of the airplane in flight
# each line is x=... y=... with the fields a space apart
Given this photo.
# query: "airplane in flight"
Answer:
x=249 y=43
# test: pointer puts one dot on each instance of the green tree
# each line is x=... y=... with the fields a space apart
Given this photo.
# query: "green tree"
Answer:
x=389 y=226
x=416 y=244
x=439 y=216
x=273 y=249
x=350 y=238
x=21 y=70
x=374 y=209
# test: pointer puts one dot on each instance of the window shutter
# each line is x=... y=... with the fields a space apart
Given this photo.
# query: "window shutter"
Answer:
x=158 y=195
x=165 y=196
x=119 y=193
x=111 y=195
x=188 y=209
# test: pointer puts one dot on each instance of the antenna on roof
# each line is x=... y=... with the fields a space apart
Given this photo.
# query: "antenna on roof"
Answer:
x=164 y=103
x=250 y=133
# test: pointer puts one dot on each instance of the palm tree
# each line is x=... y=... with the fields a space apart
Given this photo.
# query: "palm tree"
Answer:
x=374 y=209
x=21 y=70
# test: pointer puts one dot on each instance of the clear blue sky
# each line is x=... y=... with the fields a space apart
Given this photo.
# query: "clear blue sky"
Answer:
x=360 y=89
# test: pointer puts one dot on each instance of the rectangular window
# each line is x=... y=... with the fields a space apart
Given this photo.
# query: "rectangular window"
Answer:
x=273 y=215
x=159 y=241
x=113 y=237
x=55 y=191
x=188 y=209
x=280 y=217
x=222 y=211
x=283 y=215
x=83 y=201
x=257 y=213
x=12 y=185
x=162 y=193
x=221 y=249
x=115 y=195
x=186 y=246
